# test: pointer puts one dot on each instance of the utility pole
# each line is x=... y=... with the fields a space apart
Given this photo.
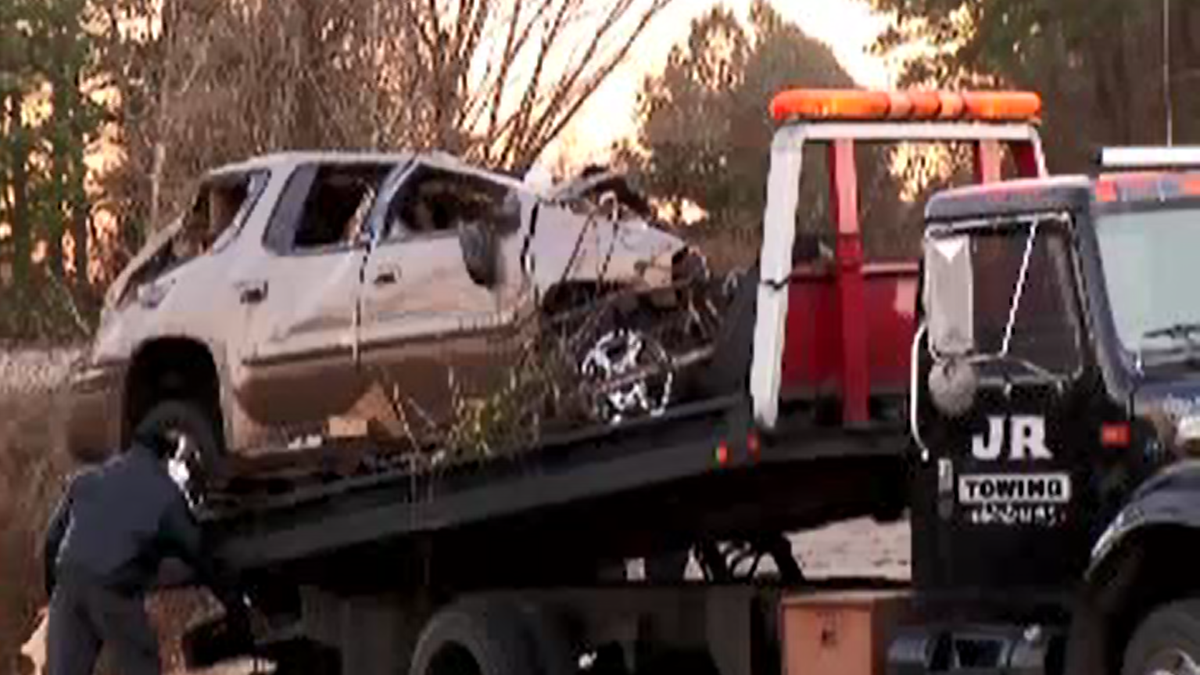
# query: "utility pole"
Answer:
x=1166 y=69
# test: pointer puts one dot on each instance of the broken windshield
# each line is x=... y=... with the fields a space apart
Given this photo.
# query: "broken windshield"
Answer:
x=1002 y=290
x=1151 y=277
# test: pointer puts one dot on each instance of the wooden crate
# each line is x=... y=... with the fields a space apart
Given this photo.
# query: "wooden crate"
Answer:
x=842 y=633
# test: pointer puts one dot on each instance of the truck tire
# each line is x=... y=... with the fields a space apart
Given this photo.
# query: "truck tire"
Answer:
x=489 y=636
x=191 y=421
x=1167 y=641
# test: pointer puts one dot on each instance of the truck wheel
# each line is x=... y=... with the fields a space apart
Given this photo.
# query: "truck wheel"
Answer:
x=1167 y=642
x=200 y=450
x=489 y=637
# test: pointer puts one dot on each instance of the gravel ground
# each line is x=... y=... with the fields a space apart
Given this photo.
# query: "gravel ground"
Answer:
x=855 y=548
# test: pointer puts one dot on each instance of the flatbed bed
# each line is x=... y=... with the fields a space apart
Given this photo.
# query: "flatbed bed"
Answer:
x=666 y=474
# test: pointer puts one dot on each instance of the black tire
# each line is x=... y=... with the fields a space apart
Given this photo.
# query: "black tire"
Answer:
x=1167 y=636
x=190 y=419
x=489 y=636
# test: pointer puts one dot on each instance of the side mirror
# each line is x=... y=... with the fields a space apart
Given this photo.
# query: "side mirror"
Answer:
x=479 y=251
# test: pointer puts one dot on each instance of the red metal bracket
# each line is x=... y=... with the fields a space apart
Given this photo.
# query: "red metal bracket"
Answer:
x=843 y=199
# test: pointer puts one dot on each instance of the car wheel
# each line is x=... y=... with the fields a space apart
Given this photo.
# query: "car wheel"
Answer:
x=196 y=460
x=1167 y=642
x=630 y=373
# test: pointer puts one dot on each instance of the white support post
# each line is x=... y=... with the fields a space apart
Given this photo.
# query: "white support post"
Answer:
x=779 y=234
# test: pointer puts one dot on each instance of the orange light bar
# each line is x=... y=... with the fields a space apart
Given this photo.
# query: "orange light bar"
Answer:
x=831 y=104
x=1002 y=105
x=858 y=104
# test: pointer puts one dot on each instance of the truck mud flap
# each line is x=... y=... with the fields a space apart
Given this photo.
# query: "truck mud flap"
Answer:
x=977 y=650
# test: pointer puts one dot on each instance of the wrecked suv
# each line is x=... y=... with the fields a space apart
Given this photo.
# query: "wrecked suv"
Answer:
x=302 y=295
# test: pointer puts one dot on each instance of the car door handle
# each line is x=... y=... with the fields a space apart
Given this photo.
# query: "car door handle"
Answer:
x=252 y=292
x=386 y=276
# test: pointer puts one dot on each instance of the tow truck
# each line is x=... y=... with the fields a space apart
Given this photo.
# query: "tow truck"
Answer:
x=516 y=564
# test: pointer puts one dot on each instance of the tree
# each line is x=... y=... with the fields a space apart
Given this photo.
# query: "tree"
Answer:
x=1095 y=62
x=492 y=81
x=705 y=134
x=48 y=121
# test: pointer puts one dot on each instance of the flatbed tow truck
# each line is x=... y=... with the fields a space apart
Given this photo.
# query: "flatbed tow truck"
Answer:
x=516 y=564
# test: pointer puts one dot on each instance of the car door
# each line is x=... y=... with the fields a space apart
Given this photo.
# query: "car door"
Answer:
x=302 y=310
x=429 y=332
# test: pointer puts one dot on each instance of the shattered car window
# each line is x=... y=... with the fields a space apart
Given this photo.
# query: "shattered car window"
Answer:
x=209 y=225
x=434 y=201
x=211 y=222
x=336 y=207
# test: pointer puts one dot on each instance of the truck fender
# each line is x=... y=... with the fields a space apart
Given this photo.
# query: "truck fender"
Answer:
x=1169 y=498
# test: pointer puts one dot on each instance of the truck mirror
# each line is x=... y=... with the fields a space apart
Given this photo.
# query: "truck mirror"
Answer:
x=949 y=294
x=479 y=251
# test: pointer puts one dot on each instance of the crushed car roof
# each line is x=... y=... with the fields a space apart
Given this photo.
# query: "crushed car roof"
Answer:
x=437 y=159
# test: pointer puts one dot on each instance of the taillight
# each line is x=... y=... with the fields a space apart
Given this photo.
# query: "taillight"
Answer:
x=1115 y=435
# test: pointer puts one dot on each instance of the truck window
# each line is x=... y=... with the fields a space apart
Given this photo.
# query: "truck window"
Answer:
x=975 y=289
x=1150 y=273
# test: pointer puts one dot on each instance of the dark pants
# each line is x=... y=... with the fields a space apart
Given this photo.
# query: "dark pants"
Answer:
x=85 y=616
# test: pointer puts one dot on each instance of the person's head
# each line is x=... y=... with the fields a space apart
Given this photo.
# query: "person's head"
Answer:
x=161 y=443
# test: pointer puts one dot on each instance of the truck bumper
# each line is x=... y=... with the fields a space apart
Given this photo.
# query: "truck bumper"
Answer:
x=989 y=648
x=93 y=424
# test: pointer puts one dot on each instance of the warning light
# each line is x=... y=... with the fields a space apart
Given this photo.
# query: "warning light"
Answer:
x=1114 y=435
x=753 y=444
x=1002 y=105
x=723 y=454
x=862 y=104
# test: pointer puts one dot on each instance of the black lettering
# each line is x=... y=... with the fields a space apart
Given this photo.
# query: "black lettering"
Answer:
x=1037 y=488
x=972 y=486
x=987 y=489
x=1006 y=487
x=1056 y=489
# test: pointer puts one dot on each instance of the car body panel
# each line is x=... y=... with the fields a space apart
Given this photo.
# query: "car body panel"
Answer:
x=305 y=340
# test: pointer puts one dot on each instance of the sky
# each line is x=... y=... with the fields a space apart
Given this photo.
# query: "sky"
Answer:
x=847 y=26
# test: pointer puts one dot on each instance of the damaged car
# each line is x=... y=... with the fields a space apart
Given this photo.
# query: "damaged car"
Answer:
x=307 y=294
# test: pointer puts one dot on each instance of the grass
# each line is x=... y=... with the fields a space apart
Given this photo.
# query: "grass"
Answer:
x=31 y=473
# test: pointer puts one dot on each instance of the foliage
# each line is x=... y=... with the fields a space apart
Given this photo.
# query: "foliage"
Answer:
x=705 y=132
x=30 y=478
x=1097 y=63
x=163 y=90
x=47 y=125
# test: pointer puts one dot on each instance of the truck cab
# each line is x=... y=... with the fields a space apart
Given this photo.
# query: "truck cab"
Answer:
x=1053 y=409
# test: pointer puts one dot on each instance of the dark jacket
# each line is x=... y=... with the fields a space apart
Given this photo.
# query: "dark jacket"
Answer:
x=118 y=521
